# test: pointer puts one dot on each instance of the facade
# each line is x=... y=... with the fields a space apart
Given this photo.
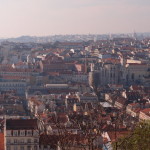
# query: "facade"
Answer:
x=15 y=85
x=123 y=73
x=88 y=97
x=107 y=73
x=21 y=134
x=135 y=73
x=81 y=78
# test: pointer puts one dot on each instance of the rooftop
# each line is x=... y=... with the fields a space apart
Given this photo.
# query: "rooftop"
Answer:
x=21 y=124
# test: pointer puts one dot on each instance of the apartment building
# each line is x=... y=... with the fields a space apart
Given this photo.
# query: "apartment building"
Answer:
x=21 y=134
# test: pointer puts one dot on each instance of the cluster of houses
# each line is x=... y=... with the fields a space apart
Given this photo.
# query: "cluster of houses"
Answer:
x=73 y=96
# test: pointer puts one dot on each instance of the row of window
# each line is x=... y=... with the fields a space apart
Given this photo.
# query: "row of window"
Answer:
x=16 y=147
x=15 y=73
x=9 y=141
x=22 y=133
x=12 y=85
x=9 y=89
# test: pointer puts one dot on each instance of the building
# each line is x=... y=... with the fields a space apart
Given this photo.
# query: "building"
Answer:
x=106 y=73
x=15 y=85
x=35 y=106
x=21 y=134
x=135 y=72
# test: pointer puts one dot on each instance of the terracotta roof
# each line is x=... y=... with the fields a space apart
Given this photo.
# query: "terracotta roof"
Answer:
x=146 y=111
x=117 y=134
x=132 y=64
x=53 y=139
x=136 y=87
x=89 y=94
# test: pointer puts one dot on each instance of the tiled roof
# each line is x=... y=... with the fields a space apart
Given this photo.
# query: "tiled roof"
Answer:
x=146 y=111
x=22 y=124
x=132 y=64
x=117 y=134
x=53 y=139
x=136 y=87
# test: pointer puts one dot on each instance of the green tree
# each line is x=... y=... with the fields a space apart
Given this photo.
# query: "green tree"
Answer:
x=139 y=139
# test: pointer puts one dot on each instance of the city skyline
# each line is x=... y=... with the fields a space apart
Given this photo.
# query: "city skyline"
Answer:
x=47 y=17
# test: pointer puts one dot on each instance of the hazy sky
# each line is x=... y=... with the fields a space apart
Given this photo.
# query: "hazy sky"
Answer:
x=46 y=17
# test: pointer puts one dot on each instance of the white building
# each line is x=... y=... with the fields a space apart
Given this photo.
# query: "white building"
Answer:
x=21 y=134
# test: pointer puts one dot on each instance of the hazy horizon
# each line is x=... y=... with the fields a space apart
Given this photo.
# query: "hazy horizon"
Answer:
x=62 y=17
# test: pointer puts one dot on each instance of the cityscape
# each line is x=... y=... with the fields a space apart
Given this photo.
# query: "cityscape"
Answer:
x=73 y=95
x=75 y=75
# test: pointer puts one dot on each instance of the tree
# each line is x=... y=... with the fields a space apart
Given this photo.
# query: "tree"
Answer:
x=139 y=139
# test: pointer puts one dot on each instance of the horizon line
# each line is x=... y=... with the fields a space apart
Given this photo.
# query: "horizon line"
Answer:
x=126 y=33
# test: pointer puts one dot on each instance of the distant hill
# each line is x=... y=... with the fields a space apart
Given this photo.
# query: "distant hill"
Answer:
x=73 y=38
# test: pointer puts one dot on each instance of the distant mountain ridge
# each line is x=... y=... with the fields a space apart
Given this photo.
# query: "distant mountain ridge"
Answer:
x=73 y=38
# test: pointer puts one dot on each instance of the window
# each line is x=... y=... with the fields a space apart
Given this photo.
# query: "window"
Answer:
x=22 y=133
x=22 y=141
x=35 y=148
x=15 y=140
x=28 y=147
x=8 y=148
x=132 y=76
x=29 y=133
x=22 y=148
x=29 y=141
x=8 y=141
x=15 y=147
x=35 y=140
x=15 y=133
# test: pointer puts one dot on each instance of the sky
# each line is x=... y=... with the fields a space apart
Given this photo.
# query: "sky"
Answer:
x=50 y=17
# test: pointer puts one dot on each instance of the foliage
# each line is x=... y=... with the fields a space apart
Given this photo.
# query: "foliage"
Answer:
x=139 y=139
